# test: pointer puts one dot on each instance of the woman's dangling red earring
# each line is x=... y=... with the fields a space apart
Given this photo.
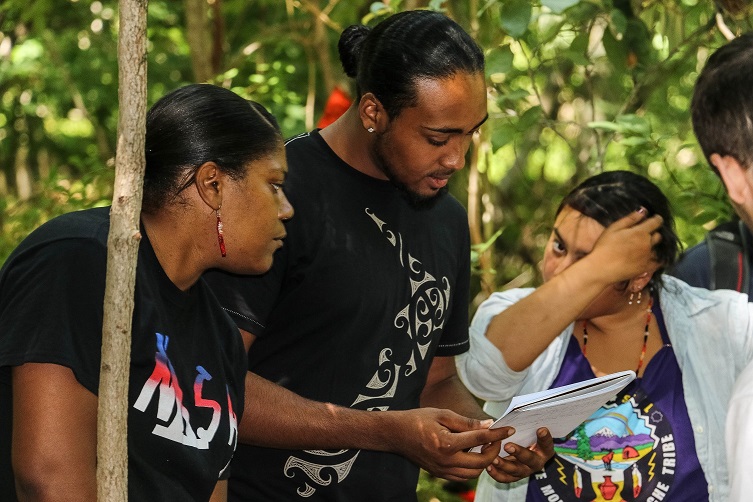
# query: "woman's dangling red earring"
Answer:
x=220 y=238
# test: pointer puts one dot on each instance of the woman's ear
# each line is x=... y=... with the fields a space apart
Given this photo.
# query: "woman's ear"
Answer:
x=371 y=112
x=210 y=182
x=640 y=282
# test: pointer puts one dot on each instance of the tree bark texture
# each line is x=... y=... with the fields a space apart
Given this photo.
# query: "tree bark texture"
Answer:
x=122 y=252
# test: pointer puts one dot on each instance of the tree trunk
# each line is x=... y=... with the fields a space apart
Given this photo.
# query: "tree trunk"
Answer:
x=199 y=39
x=22 y=169
x=122 y=251
x=218 y=37
x=476 y=218
x=322 y=49
x=311 y=95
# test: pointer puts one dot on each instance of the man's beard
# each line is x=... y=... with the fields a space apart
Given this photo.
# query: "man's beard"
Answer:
x=414 y=198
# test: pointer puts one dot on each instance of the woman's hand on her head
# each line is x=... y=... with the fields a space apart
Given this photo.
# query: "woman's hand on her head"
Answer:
x=625 y=249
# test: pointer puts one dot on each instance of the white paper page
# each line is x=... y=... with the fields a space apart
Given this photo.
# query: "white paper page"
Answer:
x=605 y=390
x=560 y=410
x=575 y=389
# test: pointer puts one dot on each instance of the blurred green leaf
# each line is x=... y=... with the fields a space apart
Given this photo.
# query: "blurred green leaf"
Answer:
x=512 y=96
x=515 y=15
x=503 y=134
x=608 y=126
x=617 y=23
x=559 y=6
x=499 y=60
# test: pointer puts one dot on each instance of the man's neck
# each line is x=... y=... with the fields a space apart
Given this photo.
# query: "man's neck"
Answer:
x=352 y=143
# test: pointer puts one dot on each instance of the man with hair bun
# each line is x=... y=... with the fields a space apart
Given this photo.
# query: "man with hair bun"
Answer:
x=367 y=304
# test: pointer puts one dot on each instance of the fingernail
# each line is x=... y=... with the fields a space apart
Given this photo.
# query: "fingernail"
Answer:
x=510 y=449
x=487 y=423
x=643 y=210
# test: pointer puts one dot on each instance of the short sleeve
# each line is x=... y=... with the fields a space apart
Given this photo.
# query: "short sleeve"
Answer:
x=51 y=303
x=455 y=336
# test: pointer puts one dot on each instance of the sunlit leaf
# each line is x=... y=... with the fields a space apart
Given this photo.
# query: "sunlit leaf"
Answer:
x=31 y=49
x=607 y=126
x=499 y=60
x=616 y=50
x=617 y=22
x=512 y=97
x=634 y=141
x=704 y=217
x=558 y=6
x=515 y=16
x=502 y=134
x=529 y=118
x=634 y=124
x=436 y=4
x=377 y=7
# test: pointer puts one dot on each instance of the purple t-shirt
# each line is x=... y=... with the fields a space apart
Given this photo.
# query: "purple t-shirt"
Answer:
x=639 y=446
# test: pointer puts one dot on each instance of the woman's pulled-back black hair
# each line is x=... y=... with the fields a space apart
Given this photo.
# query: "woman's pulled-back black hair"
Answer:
x=389 y=59
x=612 y=195
x=200 y=123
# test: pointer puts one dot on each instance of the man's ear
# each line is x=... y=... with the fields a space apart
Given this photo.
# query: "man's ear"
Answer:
x=210 y=182
x=372 y=112
x=734 y=177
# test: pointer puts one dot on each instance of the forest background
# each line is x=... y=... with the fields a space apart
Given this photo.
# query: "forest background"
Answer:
x=575 y=87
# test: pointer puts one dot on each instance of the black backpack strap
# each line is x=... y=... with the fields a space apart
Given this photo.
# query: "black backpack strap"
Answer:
x=728 y=252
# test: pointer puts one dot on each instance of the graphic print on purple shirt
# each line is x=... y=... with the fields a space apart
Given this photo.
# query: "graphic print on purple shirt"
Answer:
x=638 y=447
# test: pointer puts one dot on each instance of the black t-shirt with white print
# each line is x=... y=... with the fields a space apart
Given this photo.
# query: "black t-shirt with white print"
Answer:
x=187 y=368
x=367 y=289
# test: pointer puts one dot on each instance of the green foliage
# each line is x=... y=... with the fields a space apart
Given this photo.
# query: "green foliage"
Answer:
x=431 y=489
x=58 y=195
x=576 y=87
x=579 y=87
x=583 y=443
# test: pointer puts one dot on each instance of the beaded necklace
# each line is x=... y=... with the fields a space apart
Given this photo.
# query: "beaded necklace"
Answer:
x=645 y=336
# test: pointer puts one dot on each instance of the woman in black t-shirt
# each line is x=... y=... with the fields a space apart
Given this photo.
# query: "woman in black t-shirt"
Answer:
x=213 y=198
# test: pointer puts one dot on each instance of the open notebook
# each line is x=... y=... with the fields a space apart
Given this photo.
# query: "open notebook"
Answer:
x=560 y=409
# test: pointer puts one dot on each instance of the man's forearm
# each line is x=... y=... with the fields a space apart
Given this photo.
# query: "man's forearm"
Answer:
x=278 y=418
x=437 y=440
